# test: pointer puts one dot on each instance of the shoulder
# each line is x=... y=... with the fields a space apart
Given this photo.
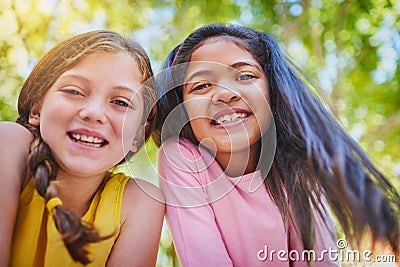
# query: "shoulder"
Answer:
x=181 y=155
x=15 y=143
x=15 y=133
x=178 y=145
x=178 y=152
x=142 y=218
x=142 y=189
x=142 y=197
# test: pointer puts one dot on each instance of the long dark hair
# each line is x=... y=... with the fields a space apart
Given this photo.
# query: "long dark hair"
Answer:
x=315 y=158
x=75 y=232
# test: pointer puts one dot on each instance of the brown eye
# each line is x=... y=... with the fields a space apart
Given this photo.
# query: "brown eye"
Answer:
x=201 y=86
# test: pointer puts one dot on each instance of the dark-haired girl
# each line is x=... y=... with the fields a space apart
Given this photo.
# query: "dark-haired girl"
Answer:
x=251 y=161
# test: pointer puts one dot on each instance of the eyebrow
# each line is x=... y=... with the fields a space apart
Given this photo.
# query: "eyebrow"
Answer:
x=74 y=76
x=198 y=73
x=127 y=89
x=235 y=65
x=86 y=80
x=244 y=63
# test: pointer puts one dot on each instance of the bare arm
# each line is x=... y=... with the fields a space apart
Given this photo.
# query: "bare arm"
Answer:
x=14 y=142
x=142 y=219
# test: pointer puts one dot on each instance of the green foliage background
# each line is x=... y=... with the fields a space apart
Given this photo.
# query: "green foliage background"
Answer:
x=350 y=48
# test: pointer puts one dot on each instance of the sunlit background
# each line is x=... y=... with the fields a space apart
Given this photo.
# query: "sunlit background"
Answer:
x=350 y=48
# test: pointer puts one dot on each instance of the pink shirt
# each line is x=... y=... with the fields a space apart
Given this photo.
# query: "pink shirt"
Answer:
x=216 y=220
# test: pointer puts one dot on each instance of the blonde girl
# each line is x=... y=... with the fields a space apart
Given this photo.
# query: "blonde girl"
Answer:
x=82 y=111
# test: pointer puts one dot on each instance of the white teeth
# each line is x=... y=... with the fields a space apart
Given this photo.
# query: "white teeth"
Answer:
x=93 y=145
x=90 y=140
x=230 y=118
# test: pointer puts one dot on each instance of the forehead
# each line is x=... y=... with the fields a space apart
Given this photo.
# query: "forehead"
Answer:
x=108 y=66
x=222 y=49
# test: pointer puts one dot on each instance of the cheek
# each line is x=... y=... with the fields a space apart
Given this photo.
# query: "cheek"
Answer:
x=198 y=125
x=128 y=127
x=198 y=117
x=260 y=106
x=196 y=107
x=264 y=117
x=50 y=118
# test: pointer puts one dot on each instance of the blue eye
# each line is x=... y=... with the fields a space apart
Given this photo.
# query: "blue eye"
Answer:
x=120 y=103
x=244 y=77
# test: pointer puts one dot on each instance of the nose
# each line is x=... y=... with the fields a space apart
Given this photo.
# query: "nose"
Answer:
x=93 y=110
x=223 y=94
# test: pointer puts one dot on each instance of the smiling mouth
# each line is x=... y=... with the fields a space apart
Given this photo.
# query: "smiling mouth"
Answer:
x=86 y=140
x=230 y=118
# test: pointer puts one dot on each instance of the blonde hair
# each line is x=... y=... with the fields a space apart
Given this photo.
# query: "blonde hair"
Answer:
x=76 y=233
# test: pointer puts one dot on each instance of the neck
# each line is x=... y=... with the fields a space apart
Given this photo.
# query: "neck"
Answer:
x=241 y=162
x=77 y=192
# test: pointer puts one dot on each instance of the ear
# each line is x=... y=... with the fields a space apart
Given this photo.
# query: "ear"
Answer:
x=140 y=137
x=34 y=115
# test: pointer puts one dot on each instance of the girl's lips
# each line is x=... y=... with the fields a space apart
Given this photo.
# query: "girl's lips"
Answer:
x=229 y=116
x=235 y=123
x=229 y=111
x=87 y=138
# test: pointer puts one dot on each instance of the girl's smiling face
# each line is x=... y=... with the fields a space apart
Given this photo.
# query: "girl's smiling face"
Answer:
x=225 y=94
x=91 y=114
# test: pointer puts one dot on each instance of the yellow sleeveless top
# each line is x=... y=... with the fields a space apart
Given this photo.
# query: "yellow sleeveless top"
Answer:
x=37 y=242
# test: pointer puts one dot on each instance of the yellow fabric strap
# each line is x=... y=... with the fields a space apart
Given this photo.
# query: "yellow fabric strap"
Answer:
x=52 y=203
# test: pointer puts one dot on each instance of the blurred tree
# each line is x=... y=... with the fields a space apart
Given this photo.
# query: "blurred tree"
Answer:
x=350 y=48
